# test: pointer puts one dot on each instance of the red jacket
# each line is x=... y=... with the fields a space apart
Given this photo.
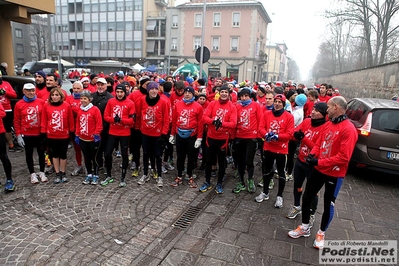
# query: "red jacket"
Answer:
x=174 y=98
x=154 y=119
x=92 y=87
x=248 y=119
x=74 y=103
x=227 y=113
x=188 y=116
x=5 y=98
x=2 y=114
x=334 y=149
x=261 y=100
x=136 y=97
x=324 y=98
x=312 y=135
x=308 y=107
x=27 y=117
x=125 y=109
x=88 y=123
x=57 y=121
x=282 y=125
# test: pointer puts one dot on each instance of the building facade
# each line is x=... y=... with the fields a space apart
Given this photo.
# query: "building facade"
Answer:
x=276 y=66
x=124 y=30
x=235 y=33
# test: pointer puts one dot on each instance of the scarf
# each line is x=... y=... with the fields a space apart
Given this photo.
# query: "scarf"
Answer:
x=189 y=101
x=223 y=101
x=269 y=107
x=26 y=99
x=87 y=107
x=278 y=113
x=339 y=119
x=56 y=103
x=76 y=96
x=245 y=103
x=152 y=102
x=317 y=122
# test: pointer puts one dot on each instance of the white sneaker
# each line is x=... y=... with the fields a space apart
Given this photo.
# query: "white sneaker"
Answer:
x=159 y=182
x=299 y=231
x=43 y=177
x=78 y=170
x=169 y=167
x=143 y=179
x=279 y=202
x=319 y=240
x=261 y=197
x=289 y=177
x=164 y=171
x=33 y=178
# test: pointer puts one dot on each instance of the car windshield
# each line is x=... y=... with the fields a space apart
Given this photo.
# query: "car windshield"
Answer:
x=386 y=120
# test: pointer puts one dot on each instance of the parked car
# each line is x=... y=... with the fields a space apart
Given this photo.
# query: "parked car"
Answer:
x=377 y=122
x=17 y=82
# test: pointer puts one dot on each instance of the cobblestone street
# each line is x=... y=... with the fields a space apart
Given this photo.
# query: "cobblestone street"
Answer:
x=76 y=224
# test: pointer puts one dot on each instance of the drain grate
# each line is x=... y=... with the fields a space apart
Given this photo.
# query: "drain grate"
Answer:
x=187 y=217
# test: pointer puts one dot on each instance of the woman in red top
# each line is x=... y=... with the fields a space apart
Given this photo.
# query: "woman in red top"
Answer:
x=57 y=122
x=120 y=113
x=277 y=127
x=89 y=125
x=155 y=119
x=74 y=101
x=27 y=118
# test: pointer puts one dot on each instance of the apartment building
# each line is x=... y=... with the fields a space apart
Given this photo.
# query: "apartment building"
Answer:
x=130 y=31
x=235 y=33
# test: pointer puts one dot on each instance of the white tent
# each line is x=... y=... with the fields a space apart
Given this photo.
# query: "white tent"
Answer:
x=64 y=62
x=138 y=67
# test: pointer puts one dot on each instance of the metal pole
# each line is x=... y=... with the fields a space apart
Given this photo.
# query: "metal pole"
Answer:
x=170 y=40
x=202 y=39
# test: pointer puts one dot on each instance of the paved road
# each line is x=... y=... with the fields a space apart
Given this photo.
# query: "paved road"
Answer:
x=74 y=224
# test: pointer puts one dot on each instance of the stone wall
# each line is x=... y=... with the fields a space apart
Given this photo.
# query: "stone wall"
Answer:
x=374 y=82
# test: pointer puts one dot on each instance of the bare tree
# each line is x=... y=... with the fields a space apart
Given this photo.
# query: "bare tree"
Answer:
x=39 y=37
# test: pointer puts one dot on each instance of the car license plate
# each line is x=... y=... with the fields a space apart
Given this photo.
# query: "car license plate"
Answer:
x=393 y=155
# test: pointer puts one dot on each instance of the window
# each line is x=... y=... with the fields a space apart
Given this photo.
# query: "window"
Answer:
x=129 y=25
x=236 y=19
x=103 y=7
x=94 y=26
x=137 y=45
x=87 y=45
x=111 y=45
x=234 y=44
x=175 y=21
x=18 y=33
x=128 y=46
x=138 y=25
x=198 y=20
x=197 y=42
x=215 y=43
x=20 y=48
x=103 y=45
x=216 y=19
x=87 y=27
x=103 y=26
x=174 y=44
x=119 y=6
x=95 y=46
x=111 y=26
x=111 y=7
x=138 y=5
x=119 y=45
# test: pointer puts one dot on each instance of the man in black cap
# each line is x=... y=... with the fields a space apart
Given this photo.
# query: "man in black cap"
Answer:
x=307 y=133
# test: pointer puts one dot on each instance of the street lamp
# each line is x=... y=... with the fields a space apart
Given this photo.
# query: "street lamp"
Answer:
x=268 y=53
x=162 y=65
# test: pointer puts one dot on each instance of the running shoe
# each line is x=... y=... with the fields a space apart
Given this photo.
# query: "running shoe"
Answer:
x=239 y=187
x=87 y=180
x=251 y=186
x=9 y=186
x=33 y=178
x=143 y=179
x=205 y=187
x=319 y=240
x=107 y=181
x=78 y=170
x=293 y=212
x=192 y=183
x=299 y=231
x=279 y=202
x=177 y=181
x=261 y=197
x=219 y=189
x=43 y=177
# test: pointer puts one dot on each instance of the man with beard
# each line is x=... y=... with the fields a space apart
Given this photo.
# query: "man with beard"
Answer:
x=85 y=81
x=40 y=80
x=51 y=82
x=177 y=94
x=92 y=86
x=323 y=97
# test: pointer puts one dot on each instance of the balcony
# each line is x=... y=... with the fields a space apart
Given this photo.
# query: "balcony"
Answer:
x=162 y=3
x=156 y=14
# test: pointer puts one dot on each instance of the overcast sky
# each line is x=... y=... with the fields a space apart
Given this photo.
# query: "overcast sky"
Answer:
x=300 y=24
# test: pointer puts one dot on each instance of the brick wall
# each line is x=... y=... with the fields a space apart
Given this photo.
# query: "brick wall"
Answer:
x=374 y=82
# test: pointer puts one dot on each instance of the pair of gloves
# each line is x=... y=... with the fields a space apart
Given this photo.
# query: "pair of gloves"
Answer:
x=97 y=139
x=197 y=144
x=117 y=118
x=217 y=122
x=271 y=136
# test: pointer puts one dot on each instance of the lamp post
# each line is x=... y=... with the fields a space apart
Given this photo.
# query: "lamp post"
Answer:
x=268 y=53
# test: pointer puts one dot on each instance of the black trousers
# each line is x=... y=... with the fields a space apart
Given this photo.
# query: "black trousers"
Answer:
x=89 y=150
x=124 y=142
x=4 y=157
x=245 y=150
x=216 y=149
x=185 y=148
x=268 y=161
x=152 y=151
x=32 y=142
